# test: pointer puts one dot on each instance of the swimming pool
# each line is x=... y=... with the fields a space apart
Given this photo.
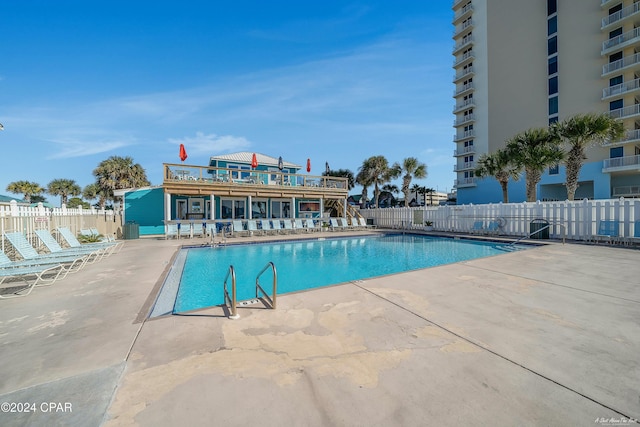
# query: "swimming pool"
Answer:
x=307 y=264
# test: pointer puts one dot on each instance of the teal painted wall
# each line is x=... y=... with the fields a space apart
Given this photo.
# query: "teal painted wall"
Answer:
x=146 y=208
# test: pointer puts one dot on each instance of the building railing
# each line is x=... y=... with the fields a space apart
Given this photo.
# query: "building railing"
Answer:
x=465 y=182
x=463 y=27
x=464 y=150
x=468 y=103
x=464 y=135
x=465 y=72
x=629 y=136
x=627 y=61
x=466 y=119
x=462 y=12
x=621 y=88
x=619 y=162
x=626 y=191
x=621 y=14
x=464 y=166
x=465 y=42
x=178 y=173
x=465 y=56
x=624 y=112
x=463 y=88
x=579 y=220
x=622 y=38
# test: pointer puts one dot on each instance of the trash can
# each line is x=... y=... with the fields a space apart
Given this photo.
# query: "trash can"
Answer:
x=131 y=230
x=370 y=221
x=536 y=229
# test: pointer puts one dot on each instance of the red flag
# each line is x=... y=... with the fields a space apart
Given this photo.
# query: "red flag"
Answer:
x=308 y=165
x=183 y=153
x=254 y=161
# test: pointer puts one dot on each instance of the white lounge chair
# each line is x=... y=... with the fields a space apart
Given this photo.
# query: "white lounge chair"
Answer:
x=171 y=231
x=252 y=227
x=275 y=224
x=288 y=227
x=198 y=230
x=70 y=262
x=73 y=242
x=238 y=229
x=266 y=226
x=94 y=253
x=299 y=228
x=310 y=225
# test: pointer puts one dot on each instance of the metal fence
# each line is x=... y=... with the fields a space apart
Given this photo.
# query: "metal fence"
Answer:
x=578 y=220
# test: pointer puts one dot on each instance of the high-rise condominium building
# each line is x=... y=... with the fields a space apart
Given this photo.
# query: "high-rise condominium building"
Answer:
x=521 y=64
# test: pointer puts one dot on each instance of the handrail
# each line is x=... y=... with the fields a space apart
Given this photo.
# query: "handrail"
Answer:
x=539 y=230
x=231 y=300
x=272 y=299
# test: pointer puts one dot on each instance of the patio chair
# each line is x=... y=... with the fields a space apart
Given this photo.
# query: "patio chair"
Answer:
x=22 y=273
x=198 y=229
x=54 y=247
x=266 y=226
x=478 y=227
x=493 y=228
x=299 y=228
x=608 y=231
x=71 y=262
x=105 y=238
x=275 y=224
x=334 y=225
x=73 y=242
x=355 y=224
x=171 y=230
x=288 y=226
x=310 y=225
x=252 y=227
x=344 y=223
x=184 y=229
x=237 y=227
x=363 y=223
x=636 y=234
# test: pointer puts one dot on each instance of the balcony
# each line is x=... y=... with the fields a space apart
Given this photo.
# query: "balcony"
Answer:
x=466 y=57
x=464 y=151
x=469 y=103
x=604 y=3
x=465 y=182
x=198 y=180
x=464 y=166
x=468 y=134
x=465 y=42
x=629 y=136
x=626 y=191
x=618 y=164
x=456 y=3
x=463 y=89
x=626 y=62
x=621 y=89
x=466 y=25
x=620 y=15
x=464 y=120
x=623 y=40
x=466 y=72
x=626 y=112
x=462 y=13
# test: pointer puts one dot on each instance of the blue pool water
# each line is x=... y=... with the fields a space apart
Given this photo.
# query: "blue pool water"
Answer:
x=314 y=263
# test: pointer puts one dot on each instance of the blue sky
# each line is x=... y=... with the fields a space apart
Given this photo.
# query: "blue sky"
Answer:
x=333 y=81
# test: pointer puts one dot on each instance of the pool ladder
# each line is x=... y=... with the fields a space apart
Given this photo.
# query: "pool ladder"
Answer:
x=230 y=300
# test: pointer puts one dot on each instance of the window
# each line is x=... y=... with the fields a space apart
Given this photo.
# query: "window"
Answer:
x=554 y=170
x=280 y=209
x=616 y=105
x=553 y=85
x=232 y=209
x=615 y=33
x=258 y=209
x=615 y=81
x=553 y=65
x=553 y=105
x=616 y=152
x=552 y=7
x=552 y=25
x=552 y=45
x=553 y=120
x=615 y=57
x=615 y=9
x=240 y=175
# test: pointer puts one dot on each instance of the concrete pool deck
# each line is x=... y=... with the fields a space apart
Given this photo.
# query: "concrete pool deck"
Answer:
x=546 y=336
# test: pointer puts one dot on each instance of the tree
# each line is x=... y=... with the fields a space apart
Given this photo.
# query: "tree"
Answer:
x=411 y=168
x=377 y=169
x=343 y=173
x=580 y=132
x=365 y=180
x=63 y=188
x=25 y=187
x=119 y=172
x=93 y=191
x=499 y=166
x=390 y=190
x=533 y=150
x=74 y=202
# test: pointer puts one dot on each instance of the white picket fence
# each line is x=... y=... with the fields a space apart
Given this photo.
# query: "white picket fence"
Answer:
x=26 y=219
x=577 y=220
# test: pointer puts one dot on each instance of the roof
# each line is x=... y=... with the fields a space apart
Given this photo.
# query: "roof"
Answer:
x=7 y=199
x=246 y=157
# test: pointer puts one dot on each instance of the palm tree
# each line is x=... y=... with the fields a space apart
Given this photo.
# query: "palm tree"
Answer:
x=499 y=166
x=417 y=189
x=25 y=187
x=93 y=191
x=392 y=190
x=343 y=173
x=580 y=132
x=378 y=171
x=533 y=150
x=430 y=192
x=117 y=173
x=365 y=180
x=411 y=168
x=63 y=188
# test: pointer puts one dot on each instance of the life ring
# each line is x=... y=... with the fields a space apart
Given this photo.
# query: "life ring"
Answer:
x=501 y=221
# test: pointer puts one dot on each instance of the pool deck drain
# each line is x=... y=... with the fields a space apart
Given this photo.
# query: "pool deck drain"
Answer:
x=548 y=336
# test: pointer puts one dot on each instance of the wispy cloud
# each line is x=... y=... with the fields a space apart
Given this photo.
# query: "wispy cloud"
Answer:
x=211 y=143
